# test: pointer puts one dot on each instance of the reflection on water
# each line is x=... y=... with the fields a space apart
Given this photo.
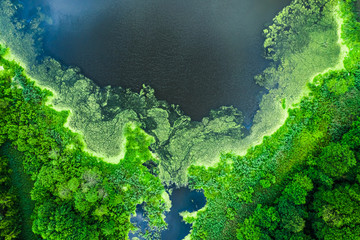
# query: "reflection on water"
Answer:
x=182 y=199
x=198 y=54
x=139 y=220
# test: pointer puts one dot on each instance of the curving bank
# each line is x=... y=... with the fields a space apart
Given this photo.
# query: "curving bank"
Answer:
x=95 y=154
x=302 y=182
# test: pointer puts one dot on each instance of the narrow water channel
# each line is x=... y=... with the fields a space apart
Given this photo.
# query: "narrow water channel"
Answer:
x=182 y=199
x=23 y=185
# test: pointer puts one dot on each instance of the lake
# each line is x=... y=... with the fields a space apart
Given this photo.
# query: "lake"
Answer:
x=198 y=54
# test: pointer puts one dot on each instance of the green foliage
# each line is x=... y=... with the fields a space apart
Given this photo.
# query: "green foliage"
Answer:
x=76 y=195
x=262 y=219
x=248 y=231
x=336 y=160
x=298 y=189
x=338 y=212
x=352 y=138
x=268 y=180
x=246 y=196
x=307 y=166
x=9 y=215
x=73 y=184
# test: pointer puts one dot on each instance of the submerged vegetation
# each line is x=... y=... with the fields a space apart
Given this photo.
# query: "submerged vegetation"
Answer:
x=302 y=182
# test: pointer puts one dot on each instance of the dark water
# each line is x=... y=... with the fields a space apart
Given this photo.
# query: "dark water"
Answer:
x=182 y=200
x=195 y=53
x=23 y=185
x=198 y=54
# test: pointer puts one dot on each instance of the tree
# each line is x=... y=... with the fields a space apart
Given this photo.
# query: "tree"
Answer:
x=292 y=216
x=336 y=159
x=338 y=212
x=261 y=225
x=298 y=189
x=9 y=213
x=352 y=138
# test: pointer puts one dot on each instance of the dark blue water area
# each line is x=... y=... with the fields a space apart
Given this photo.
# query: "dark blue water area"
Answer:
x=182 y=199
x=139 y=220
x=198 y=54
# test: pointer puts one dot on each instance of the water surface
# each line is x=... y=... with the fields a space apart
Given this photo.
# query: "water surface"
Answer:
x=198 y=54
x=195 y=53
x=23 y=185
x=182 y=199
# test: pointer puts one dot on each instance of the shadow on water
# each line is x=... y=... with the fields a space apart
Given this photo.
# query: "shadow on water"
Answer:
x=198 y=54
x=23 y=185
x=182 y=199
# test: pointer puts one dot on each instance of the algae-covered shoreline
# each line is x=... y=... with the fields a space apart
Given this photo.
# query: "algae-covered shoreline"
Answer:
x=239 y=189
x=101 y=114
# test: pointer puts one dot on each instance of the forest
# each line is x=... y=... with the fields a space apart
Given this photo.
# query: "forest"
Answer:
x=301 y=182
x=75 y=195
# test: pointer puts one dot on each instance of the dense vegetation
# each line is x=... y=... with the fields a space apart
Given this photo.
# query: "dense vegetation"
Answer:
x=76 y=196
x=9 y=214
x=303 y=181
x=302 y=42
